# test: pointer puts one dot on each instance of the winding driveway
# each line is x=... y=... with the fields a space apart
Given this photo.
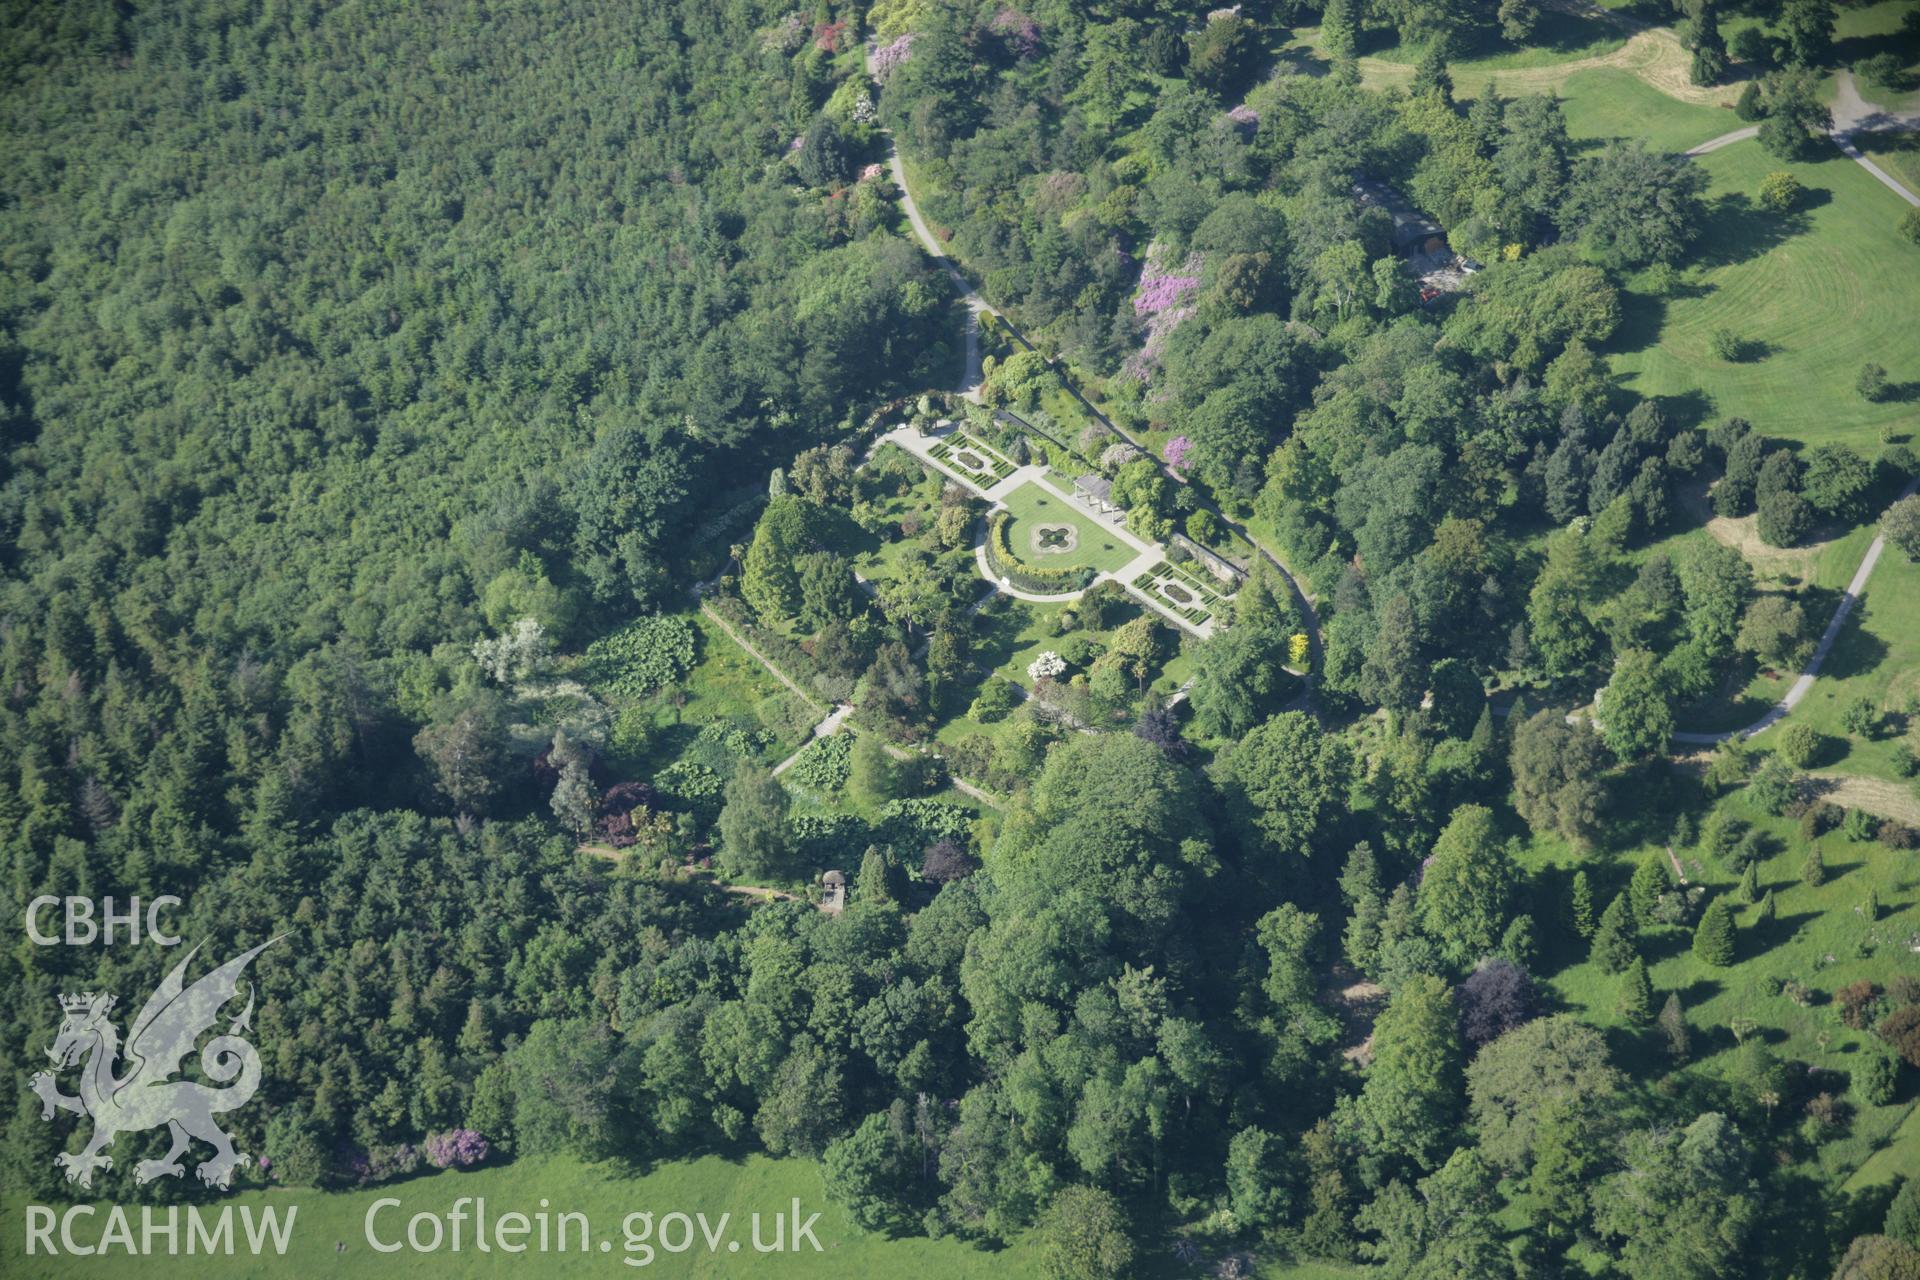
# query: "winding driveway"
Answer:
x=975 y=304
x=1851 y=114
x=1724 y=140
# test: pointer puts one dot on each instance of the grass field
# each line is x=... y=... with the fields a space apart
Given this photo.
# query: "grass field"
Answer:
x=1571 y=46
x=1895 y=150
x=1608 y=103
x=1095 y=546
x=709 y=1185
x=1814 y=293
x=1861 y=31
x=1878 y=658
x=1558 y=37
x=878 y=558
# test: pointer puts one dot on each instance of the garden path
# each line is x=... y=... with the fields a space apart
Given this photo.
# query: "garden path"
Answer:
x=1724 y=140
x=825 y=729
x=969 y=296
x=1804 y=683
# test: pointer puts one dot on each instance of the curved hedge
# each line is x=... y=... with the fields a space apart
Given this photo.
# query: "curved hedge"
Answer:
x=1005 y=564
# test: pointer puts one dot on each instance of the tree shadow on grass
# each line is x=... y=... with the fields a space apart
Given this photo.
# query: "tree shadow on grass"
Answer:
x=1754 y=350
x=1856 y=651
x=1688 y=409
x=1766 y=935
x=1735 y=231
x=997 y=636
x=1642 y=316
x=1850 y=51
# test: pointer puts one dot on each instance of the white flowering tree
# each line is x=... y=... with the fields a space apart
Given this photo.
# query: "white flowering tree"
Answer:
x=1048 y=666
x=514 y=656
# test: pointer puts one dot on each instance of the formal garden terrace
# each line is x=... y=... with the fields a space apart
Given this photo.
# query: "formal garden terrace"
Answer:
x=1043 y=542
x=980 y=464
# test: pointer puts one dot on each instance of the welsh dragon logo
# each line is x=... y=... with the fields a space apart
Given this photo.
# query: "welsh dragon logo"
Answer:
x=146 y=1096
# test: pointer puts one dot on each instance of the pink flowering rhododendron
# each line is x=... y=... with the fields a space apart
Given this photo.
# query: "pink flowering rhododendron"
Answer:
x=1165 y=299
x=1021 y=33
x=456 y=1149
x=1178 y=453
x=1245 y=117
x=871 y=172
x=889 y=57
x=1159 y=293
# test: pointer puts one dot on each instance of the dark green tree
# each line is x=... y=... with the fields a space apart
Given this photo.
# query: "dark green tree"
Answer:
x=1713 y=938
x=1580 y=907
x=1613 y=948
x=1635 y=1002
x=754 y=836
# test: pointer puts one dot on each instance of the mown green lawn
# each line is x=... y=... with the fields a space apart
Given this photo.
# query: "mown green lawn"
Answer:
x=1815 y=294
x=1034 y=506
x=1608 y=103
x=1861 y=31
x=1557 y=37
x=878 y=558
x=1895 y=150
x=1877 y=657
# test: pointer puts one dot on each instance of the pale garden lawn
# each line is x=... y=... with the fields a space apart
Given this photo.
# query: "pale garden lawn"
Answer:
x=1815 y=294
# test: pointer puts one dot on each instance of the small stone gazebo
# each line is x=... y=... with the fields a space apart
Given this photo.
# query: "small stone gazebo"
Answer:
x=833 y=896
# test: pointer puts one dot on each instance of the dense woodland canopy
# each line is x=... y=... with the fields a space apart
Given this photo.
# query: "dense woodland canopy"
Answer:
x=352 y=356
x=332 y=335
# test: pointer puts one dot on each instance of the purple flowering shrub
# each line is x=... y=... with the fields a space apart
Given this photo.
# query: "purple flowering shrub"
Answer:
x=383 y=1164
x=1162 y=291
x=1164 y=299
x=1178 y=453
x=888 y=57
x=456 y=1149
